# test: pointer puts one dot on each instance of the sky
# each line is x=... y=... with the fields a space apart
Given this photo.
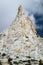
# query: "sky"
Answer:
x=8 y=11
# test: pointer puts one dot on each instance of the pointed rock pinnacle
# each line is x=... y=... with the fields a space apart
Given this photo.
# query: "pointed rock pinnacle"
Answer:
x=20 y=10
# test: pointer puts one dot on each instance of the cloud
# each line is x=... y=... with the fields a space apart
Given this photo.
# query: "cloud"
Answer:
x=35 y=6
x=39 y=27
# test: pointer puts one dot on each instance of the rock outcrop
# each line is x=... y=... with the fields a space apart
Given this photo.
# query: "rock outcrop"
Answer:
x=20 y=39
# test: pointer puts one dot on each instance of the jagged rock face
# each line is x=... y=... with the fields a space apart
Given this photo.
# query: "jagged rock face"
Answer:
x=21 y=39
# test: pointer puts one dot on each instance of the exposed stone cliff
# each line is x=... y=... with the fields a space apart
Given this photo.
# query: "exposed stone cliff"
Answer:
x=20 y=39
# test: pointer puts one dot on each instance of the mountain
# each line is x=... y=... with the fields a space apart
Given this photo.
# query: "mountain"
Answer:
x=21 y=40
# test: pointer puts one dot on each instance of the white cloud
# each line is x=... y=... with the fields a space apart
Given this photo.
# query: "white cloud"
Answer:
x=36 y=6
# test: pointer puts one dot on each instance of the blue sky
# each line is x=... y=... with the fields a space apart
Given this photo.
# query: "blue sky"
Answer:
x=8 y=10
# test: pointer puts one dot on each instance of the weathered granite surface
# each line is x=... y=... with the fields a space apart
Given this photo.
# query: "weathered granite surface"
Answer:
x=20 y=40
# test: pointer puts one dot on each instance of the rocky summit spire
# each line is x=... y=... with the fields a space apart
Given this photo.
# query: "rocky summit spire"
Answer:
x=20 y=10
x=20 y=39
